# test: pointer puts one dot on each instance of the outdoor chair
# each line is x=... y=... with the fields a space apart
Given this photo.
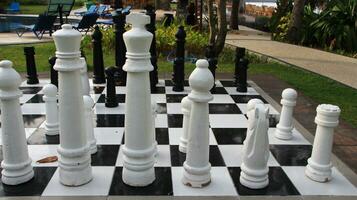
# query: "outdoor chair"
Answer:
x=91 y=9
x=13 y=8
x=44 y=23
x=87 y=22
x=102 y=11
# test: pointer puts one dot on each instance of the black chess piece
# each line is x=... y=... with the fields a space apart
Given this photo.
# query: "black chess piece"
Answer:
x=150 y=10
x=120 y=49
x=98 y=62
x=212 y=62
x=241 y=69
x=53 y=72
x=240 y=53
x=110 y=98
x=178 y=76
x=31 y=65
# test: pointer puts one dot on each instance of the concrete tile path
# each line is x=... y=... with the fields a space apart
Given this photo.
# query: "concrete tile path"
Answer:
x=340 y=68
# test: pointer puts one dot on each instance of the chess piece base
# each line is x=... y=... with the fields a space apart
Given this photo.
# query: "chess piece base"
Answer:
x=283 y=133
x=16 y=174
x=52 y=129
x=196 y=177
x=318 y=173
x=254 y=179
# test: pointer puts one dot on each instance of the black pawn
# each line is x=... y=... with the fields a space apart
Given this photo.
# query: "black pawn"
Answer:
x=178 y=76
x=53 y=72
x=241 y=69
x=31 y=65
x=110 y=98
x=212 y=62
x=150 y=10
x=240 y=53
x=98 y=62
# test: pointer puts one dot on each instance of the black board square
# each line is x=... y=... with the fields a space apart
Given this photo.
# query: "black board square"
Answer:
x=158 y=90
x=106 y=155
x=291 y=155
x=279 y=184
x=229 y=135
x=34 y=187
x=221 y=108
x=40 y=137
x=174 y=98
x=246 y=98
x=109 y=120
x=218 y=90
x=162 y=135
x=98 y=89
x=162 y=186
x=161 y=108
x=175 y=120
x=120 y=98
x=30 y=90
x=38 y=98
x=33 y=121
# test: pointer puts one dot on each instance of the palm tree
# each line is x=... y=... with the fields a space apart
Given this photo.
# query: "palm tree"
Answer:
x=234 y=15
x=296 y=22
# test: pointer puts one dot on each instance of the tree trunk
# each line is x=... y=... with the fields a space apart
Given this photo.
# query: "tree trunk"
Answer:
x=296 y=23
x=212 y=22
x=162 y=4
x=181 y=11
x=222 y=26
x=234 y=15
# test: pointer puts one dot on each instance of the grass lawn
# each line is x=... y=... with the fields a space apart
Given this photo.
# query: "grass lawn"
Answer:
x=36 y=9
x=318 y=88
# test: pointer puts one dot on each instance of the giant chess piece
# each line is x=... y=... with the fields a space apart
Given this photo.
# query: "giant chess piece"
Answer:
x=120 y=50
x=284 y=129
x=50 y=99
x=110 y=96
x=31 y=65
x=197 y=166
x=254 y=167
x=241 y=67
x=319 y=164
x=74 y=158
x=153 y=112
x=186 y=104
x=138 y=150
x=16 y=164
x=53 y=72
x=84 y=77
x=178 y=76
x=150 y=10
x=212 y=61
x=98 y=62
x=88 y=107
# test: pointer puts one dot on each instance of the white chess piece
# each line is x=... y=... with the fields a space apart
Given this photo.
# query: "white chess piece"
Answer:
x=319 y=164
x=197 y=167
x=50 y=99
x=74 y=158
x=16 y=164
x=284 y=129
x=138 y=150
x=254 y=167
x=84 y=77
x=153 y=112
x=186 y=110
x=88 y=110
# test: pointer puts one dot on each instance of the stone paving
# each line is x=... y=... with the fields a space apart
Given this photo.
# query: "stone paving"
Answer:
x=340 y=68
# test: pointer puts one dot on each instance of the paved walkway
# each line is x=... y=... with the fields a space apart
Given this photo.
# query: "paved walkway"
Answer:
x=340 y=68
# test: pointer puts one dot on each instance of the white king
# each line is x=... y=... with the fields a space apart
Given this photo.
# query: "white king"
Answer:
x=139 y=148
x=74 y=158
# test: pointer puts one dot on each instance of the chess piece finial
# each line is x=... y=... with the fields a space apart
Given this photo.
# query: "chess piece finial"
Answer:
x=284 y=129
x=50 y=99
x=255 y=168
x=16 y=163
x=319 y=164
x=68 y=42
x=197 y=166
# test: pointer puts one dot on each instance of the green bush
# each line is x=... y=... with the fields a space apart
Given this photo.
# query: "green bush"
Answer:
x=281 y=30
x=262 y=23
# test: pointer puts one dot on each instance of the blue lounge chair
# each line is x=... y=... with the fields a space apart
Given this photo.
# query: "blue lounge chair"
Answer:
x=13 y=8
x=102 y=11
x=44 y=24
x=87 y=22
x=92 y=9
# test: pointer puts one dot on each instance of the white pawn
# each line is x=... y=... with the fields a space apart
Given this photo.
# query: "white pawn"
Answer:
x=319 y=164
x=254 y=167
x=197 y=167
x=154 y=114
x=16 y=164
x=284 y=129
x=186 y=110
x=50 y=99
x=88 y=114
x=84 y=77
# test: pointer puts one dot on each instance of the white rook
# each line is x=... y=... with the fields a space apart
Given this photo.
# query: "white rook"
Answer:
x=50 y=99
x=186 y=110
x=84 y=77
x=138 y=150
x=16 y=163
x=88 y=113
x=284 y=129
x=153 y=112
x=319 y=164
x=197 y=167
x=254 y=166
x=74 y=158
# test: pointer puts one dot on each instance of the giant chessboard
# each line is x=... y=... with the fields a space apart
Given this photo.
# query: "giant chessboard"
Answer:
x=228 y=123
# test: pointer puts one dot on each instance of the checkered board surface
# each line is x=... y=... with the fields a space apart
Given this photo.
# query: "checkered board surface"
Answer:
x=228 y=124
